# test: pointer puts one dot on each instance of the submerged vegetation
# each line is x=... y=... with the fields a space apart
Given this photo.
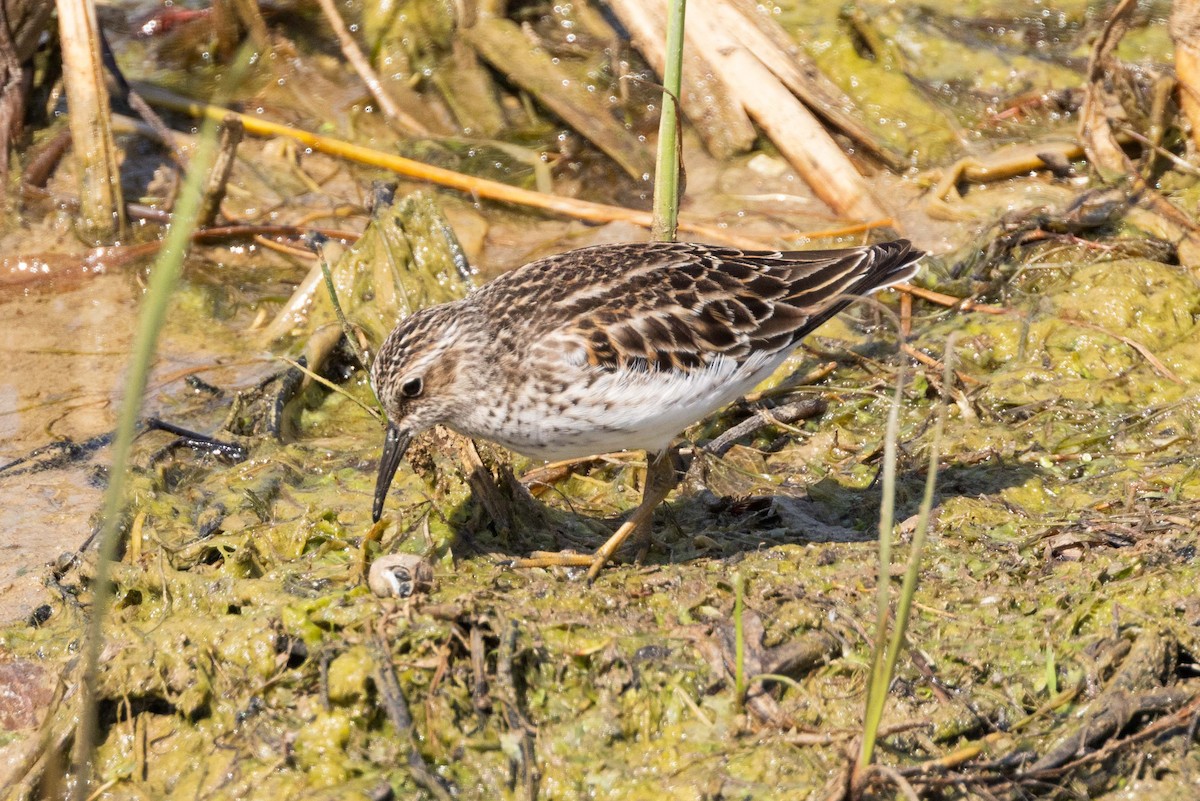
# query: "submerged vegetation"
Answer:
x=1052 y=648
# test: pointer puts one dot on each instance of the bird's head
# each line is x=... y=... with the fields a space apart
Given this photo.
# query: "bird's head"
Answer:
x=415 y=376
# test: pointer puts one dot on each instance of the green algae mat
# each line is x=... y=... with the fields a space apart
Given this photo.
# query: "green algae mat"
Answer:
x=1052 y=650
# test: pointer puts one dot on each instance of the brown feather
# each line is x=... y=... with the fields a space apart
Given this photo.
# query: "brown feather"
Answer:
x=678 y=306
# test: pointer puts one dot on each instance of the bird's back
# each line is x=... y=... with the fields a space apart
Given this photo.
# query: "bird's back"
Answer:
x=678 y=306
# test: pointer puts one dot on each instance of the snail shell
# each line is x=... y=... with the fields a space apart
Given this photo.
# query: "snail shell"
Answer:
x=400 y=575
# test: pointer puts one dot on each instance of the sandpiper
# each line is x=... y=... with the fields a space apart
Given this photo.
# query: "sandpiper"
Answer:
x=613 y=347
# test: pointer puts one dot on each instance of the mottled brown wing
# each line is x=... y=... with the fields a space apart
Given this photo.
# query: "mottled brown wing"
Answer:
x=681 y=305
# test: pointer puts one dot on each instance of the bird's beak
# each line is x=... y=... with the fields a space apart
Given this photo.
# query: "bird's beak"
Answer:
x=394 y=446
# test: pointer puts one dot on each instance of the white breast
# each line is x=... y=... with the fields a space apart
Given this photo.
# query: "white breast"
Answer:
x=627 y=410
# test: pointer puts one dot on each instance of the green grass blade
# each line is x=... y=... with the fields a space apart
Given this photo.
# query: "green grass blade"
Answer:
x=885 y=658
x=912 y=574
x=163 y=278
x=877 y=687
x=739 y=637
x=666 y=168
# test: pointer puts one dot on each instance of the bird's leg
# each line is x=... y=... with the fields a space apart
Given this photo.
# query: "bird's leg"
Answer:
x=662 y=474
x=680 y=463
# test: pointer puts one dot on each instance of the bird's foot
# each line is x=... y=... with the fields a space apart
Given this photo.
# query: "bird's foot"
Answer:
x=554 y=559
x=594 y=562
x=663 y=473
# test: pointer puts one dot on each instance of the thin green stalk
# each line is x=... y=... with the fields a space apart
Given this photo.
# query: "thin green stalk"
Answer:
x=877 y=687
x=347 y=329
x=880 y=682
x=778 y=678
x=163 y=278
x=332 y=387
x=1051 y=671
x=378 y=412
x=912 y=574
x=739 y=637
x=666 y=168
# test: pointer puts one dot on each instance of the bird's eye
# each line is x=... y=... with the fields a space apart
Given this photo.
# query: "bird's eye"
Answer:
x=412 y=387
